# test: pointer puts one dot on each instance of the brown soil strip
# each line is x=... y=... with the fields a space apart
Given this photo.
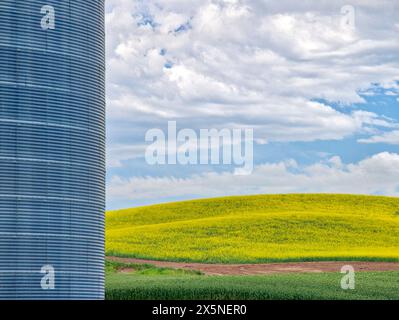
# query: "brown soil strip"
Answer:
x=267 y=268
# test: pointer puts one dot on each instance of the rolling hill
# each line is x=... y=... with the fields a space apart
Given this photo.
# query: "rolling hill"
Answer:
x=264 y=228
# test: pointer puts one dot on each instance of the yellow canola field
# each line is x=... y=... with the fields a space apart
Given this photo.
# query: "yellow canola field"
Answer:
x=263 y=228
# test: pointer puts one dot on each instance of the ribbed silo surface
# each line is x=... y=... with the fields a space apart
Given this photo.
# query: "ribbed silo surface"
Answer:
x=52 y=149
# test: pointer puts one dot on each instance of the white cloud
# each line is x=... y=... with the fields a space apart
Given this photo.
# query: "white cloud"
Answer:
x=118 y=153
x=248 y=63
x=376 y=174
x=274 y=66
x=391 y=137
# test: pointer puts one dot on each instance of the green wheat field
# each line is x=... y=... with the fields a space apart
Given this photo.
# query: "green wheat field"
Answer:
x=150 y=283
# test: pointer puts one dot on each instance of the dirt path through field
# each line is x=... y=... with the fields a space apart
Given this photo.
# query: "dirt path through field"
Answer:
x=266 y=268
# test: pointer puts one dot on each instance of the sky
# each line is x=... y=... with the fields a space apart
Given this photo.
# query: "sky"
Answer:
x=316 y=81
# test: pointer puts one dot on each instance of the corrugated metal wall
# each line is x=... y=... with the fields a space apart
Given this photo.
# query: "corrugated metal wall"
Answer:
x=52 y=149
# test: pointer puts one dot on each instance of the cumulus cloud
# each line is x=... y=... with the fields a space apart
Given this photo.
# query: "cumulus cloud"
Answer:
x=118 y=153
x=264 y=64
x=391 y=137
x=378 y=174
x=294 y=71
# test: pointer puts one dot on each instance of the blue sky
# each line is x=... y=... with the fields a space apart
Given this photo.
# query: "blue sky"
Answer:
x=317 y=83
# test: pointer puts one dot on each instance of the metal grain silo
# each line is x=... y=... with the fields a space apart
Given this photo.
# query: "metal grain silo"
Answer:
x=52 y=118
